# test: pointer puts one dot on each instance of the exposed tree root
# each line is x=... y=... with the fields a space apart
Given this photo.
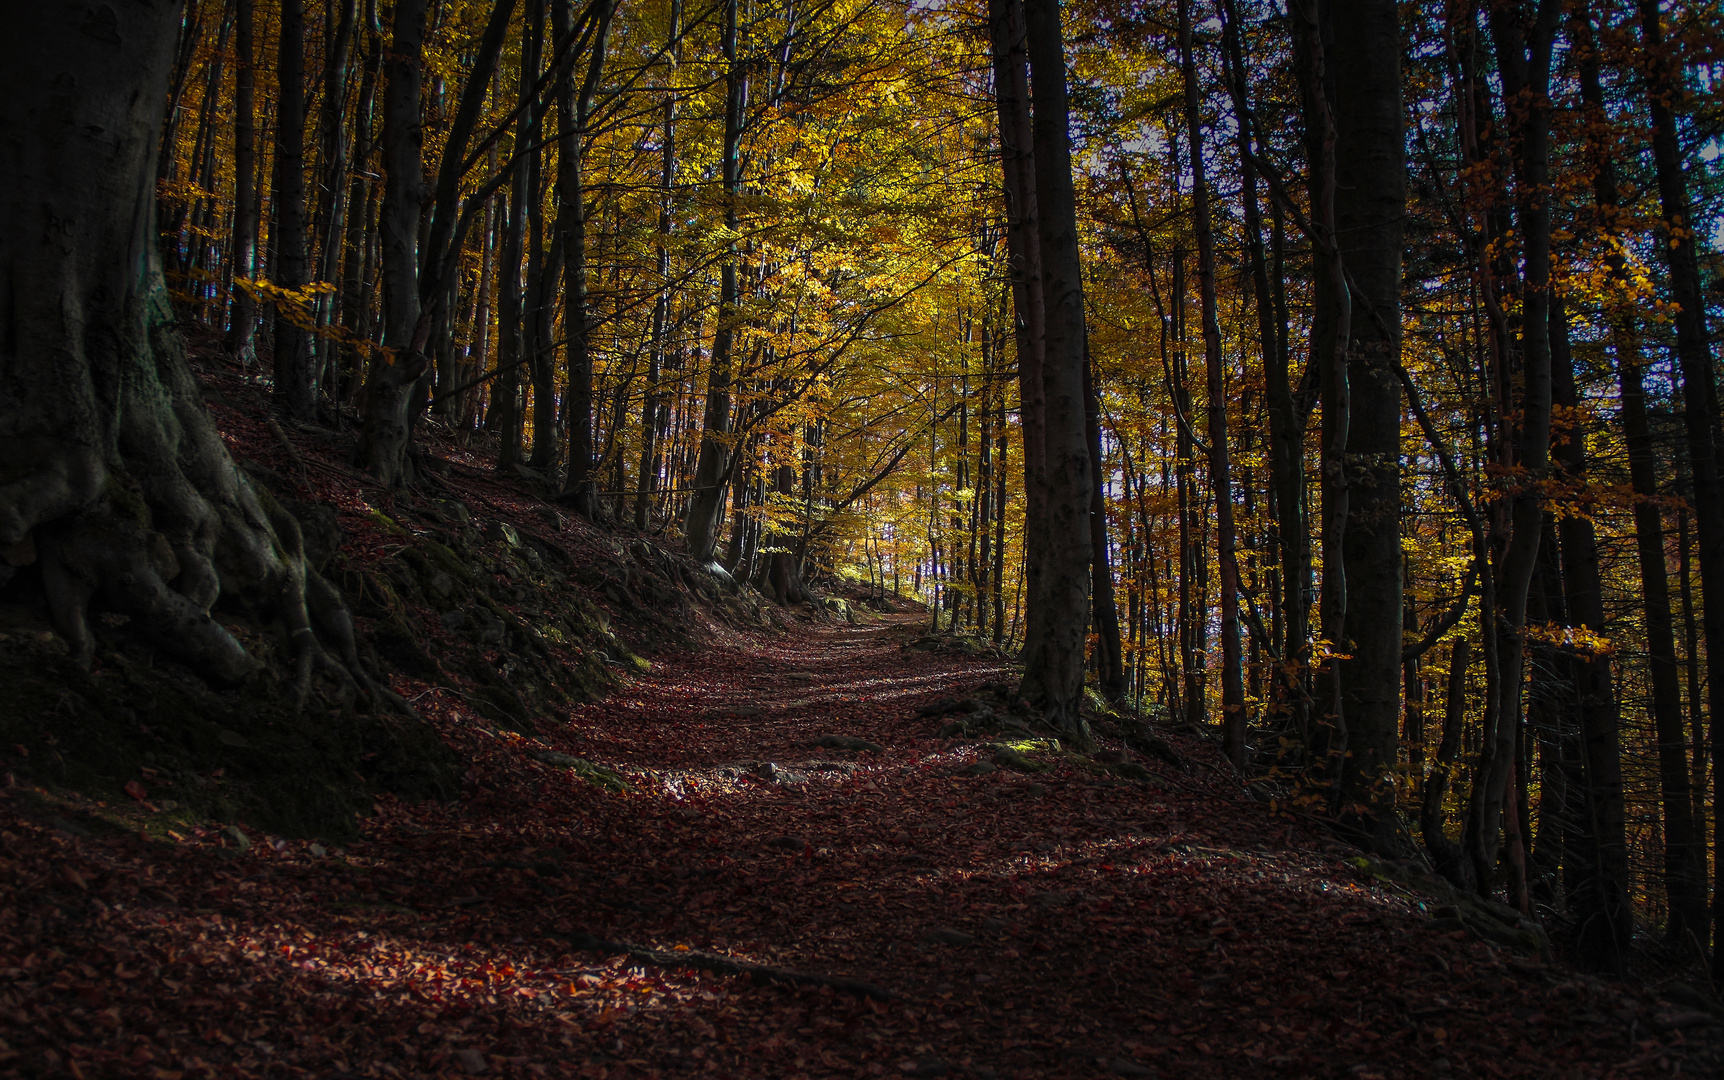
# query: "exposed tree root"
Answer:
x=138 y=510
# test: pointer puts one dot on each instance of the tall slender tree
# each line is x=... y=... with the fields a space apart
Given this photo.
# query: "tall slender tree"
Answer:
x=1664 y=91
x=295 y=372
x=1054 y=667
x=1233 y=720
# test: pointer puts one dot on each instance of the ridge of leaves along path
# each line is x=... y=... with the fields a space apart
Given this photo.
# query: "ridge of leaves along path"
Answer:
x=1055 y=924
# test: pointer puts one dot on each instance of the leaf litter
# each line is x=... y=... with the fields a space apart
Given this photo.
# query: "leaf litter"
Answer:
x=786 y=829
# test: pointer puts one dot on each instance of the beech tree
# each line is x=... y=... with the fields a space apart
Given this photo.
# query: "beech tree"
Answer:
x=115 y=478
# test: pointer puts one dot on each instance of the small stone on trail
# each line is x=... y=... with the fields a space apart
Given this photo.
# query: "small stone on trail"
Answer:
x=238 y=836
x=472 y=1062
x=945 y=935
x=770 y=772
x=233 y=738
x=319 y=850
x=792 y=842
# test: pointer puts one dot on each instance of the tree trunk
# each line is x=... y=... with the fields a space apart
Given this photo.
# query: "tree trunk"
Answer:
x=1684 y=854
x=1370 y=166
x=356 y=286
x=1524 y=65
x=242 y=322
x=1023 y=248
x=522 y=204
x=713 y=466
x=654 y=406
x=1446 y=855
x=1606 y=910
x=1053 y=670
x=1110 y=660
x=573 y=108
x=1233 y=720
x=383 y=444
x=295 y=375
x=1286 y=442
x=332 y=214
x=1331 y=332
x=481 y=350
x=1664 y=95
x=115 y=474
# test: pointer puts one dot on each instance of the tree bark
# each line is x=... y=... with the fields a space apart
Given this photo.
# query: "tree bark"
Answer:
x=1110 y=660
x=1006 y=33
x=574 y=107
x=332 y=213
x=712 y=468
x=1447 y=857
x=1684 y=848
x=1605 y=909
x=1053 y=671
x=242 y=322
x=114 y=472
x=1664 y=93
x=1523 y=62
x=1233 y=719
x=1331 y=331
x=1370 y=166
x=295 y=375
x=653 y=407
x=383 y=443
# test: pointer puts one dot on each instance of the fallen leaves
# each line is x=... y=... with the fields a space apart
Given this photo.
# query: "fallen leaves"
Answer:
x=1026 y=929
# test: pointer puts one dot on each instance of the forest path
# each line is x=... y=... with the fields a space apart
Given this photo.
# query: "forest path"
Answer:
x=1065 y=923
x=1061 y=923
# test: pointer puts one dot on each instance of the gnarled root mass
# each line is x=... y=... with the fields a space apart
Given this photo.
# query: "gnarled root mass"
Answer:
x=117 y=493
x=163 y=528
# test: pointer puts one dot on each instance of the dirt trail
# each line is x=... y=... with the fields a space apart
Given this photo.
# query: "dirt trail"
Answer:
x=1026 y=925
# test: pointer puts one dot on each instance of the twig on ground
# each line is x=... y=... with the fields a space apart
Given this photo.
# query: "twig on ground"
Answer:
x=724 y=965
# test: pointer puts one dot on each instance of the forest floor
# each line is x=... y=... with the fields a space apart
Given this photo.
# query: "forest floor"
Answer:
x=912 y=913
